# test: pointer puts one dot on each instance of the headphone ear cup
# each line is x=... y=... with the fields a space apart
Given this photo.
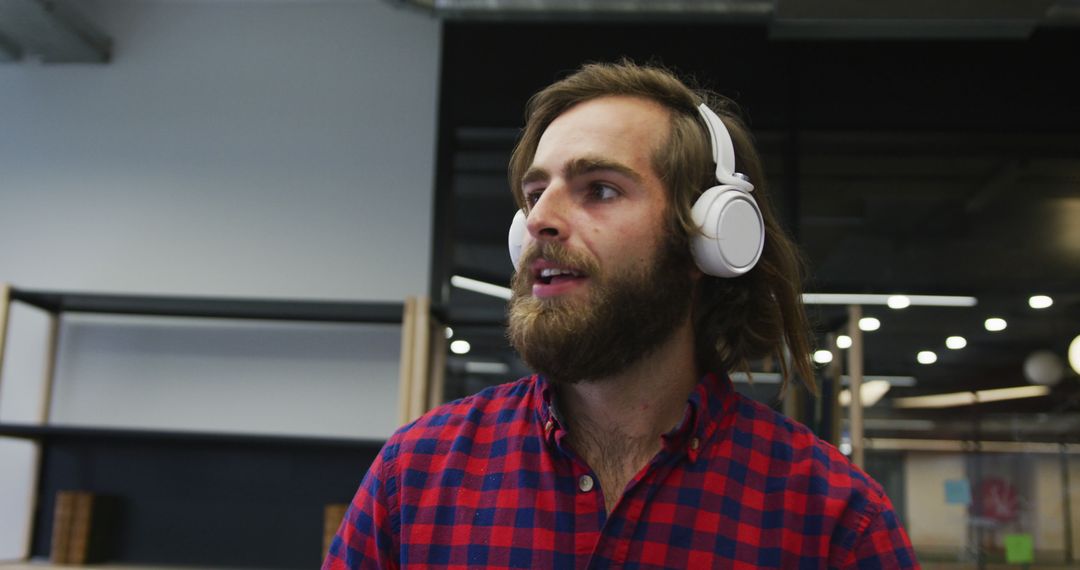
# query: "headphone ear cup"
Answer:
x=517 y=237
x=732 y=232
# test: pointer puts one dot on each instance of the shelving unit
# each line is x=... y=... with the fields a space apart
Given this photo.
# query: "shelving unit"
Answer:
x=209 y=498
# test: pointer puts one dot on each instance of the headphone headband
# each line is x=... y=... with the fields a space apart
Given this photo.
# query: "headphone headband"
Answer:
x=723 y=151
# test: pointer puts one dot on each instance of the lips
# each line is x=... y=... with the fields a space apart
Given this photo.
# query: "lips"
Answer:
x=551 y=279
x=555 y=275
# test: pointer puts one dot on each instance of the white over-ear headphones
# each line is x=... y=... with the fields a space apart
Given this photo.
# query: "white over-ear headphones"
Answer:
x=732 y=230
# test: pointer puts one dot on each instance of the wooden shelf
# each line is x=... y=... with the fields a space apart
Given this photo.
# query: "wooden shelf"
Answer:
x=45 y=565
x=216 y=307
x=199 y=482
x=165 y=437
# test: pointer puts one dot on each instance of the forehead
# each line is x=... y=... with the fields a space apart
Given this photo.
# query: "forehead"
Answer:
x=627 y=129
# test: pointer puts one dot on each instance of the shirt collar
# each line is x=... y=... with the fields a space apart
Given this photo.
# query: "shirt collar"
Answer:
x=708 y=409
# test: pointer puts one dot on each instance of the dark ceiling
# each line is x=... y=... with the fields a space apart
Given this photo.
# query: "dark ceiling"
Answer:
x=929 y=167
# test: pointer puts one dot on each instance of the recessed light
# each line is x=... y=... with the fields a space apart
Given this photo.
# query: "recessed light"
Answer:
x=843 y=341
x=1074 y=354
x=869 y=324
x=823 y=356
x=449 y=332
x=995 y=324
x=927 y=357
x=956 y=342
x=898 y=302
x=460 y=347
x=1040 y=301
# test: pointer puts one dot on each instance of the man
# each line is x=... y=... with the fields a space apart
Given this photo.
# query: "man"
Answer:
x=629 y=448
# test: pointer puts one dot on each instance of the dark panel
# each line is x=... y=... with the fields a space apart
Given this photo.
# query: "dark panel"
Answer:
x=981 y=85
x=235 y=308
x=193 y=503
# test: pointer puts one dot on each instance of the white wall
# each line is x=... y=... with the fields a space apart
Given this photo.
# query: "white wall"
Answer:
x=232 y=148
x=933 y=524
x=1048 y=526
x=938 y=529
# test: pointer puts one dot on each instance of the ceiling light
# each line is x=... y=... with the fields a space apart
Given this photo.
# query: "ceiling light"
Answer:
x=955 y=342
x=936 y=400
x=898 y=302
x=823 y=356
x=969 y=398
x=995 y=324
x=869 y=324
x=900 y=424
x=498 y=368
x=1011 y=393
x=481 y=287
x=870 y=393
x=1044 y=367
x=460 y=347
x=905 y=381
x=1040 y=301
x=449 y=332
x=871 y=299
x=926 y=357
x=873 y=391
x=775 y=378
x=1074 y=354
x=756 y=377
x=843 y=341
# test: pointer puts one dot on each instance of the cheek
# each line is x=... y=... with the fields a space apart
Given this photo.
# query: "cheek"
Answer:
x=633 y=245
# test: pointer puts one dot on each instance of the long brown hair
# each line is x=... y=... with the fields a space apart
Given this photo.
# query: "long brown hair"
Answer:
x=736 y=320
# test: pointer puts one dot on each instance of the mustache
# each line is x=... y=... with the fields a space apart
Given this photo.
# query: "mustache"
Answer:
x=559 y=254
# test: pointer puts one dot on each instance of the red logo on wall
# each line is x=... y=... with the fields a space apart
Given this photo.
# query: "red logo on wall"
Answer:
x=998 y=500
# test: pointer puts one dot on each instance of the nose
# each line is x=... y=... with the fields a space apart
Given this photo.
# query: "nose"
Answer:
x=548 y=217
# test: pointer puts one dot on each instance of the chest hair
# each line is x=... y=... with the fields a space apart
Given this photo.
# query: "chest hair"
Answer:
x=615 y=457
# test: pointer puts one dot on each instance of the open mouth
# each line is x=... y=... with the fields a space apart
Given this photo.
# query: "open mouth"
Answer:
x=552 y=276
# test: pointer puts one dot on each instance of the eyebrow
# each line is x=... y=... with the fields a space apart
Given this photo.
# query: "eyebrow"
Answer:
x=581 y=166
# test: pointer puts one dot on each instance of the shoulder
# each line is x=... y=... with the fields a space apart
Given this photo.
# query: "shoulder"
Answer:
x=455 y=426
x=796 y=472
x=809 y=476
x=810 y=465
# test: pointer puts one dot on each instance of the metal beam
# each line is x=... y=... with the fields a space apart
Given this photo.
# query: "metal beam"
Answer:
x=911 y=19
x=855 y=371
x=50 y=31
x=8 y=50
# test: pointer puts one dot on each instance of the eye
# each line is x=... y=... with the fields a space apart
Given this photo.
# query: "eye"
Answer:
x=603 y=191
x=533 y=196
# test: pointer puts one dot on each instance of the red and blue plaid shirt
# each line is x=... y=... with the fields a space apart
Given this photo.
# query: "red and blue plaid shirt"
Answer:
x=490 y=482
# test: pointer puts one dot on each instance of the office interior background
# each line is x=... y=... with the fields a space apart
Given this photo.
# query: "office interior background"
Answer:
x=225 y=223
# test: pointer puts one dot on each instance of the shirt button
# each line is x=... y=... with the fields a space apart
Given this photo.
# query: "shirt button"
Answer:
x=550 y=424
x=585 y=483
x=695 y=443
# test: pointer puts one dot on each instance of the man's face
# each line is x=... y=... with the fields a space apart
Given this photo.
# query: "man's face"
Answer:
x=601 y=281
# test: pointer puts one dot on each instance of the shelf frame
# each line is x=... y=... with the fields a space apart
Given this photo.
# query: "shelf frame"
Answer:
x=57 y=302
x=50 y=433
x=422 y=359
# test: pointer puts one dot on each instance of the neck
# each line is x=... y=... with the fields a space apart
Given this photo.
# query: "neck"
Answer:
x=646 y=400
x=615 y=423
x=636 y=406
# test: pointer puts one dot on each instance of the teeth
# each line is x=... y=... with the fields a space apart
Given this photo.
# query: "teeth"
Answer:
x=546 y=273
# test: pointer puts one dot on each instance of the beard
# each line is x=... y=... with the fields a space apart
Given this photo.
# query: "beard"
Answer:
x=626 y=316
